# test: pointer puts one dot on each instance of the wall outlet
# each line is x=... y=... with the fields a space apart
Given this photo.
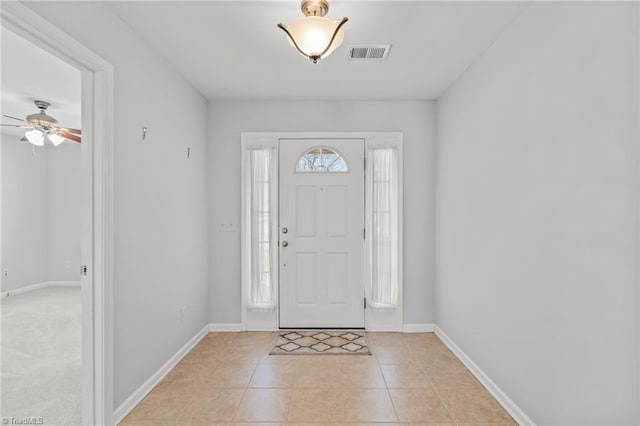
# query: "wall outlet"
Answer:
x=183 y=312
x=5 y=272
x=67 y=264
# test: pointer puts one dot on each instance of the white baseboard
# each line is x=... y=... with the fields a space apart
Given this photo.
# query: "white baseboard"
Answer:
x=377 y=328
x=516 y=412
x=225 y=327
x=63 y=283
x=24 y=289
x=406 y=328
x=418 y=328
x=137 y=396
x=37 y=286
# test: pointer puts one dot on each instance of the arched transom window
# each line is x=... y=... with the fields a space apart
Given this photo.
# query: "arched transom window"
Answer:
x=321 y=160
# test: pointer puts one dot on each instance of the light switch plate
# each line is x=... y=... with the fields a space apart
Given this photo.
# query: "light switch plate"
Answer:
x=226 y=227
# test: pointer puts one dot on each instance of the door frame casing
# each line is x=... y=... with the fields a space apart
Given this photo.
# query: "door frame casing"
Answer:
x=252 y=320
x=97 y=202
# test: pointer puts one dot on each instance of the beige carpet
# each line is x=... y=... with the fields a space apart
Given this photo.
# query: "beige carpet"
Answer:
x=319 y=342
x=41 y=369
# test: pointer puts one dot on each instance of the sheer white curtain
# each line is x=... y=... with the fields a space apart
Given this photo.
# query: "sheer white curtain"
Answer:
x=260 y=223
x=383 y=250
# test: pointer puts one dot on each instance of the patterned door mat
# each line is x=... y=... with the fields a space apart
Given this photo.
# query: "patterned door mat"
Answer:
x=319 y=342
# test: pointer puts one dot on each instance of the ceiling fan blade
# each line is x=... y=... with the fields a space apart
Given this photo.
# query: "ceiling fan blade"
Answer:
x=68 y=135
x=24 y=126
x=14 y=118
x=68 y=130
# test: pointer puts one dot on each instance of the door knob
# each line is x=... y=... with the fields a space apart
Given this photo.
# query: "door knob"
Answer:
x=285 y=243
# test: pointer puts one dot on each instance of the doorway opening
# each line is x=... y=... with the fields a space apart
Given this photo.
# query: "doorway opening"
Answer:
x=41 y=371
x=95 y=213
x=321 y=232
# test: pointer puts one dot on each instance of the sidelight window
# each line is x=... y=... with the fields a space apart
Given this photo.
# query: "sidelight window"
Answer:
x=383 y=246
x=260 y=233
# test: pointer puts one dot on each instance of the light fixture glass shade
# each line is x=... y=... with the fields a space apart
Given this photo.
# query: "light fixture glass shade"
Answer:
x=313 y=34
x=55 y=139
x=35 y=136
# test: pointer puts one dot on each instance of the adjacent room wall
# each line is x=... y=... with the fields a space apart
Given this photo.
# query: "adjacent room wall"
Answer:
x=63 y=212
x=24 y=220
x=40 y=213
x=417 y=122
x=161 y=199
x=537 y=217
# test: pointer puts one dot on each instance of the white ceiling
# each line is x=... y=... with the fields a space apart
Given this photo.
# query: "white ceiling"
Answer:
x=233 y=49
x=30 y=73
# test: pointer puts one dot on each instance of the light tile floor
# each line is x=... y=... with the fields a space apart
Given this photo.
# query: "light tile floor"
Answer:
x=229 y=379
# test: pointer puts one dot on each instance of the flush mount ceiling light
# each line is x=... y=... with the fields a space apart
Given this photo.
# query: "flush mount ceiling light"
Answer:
x=315 y=36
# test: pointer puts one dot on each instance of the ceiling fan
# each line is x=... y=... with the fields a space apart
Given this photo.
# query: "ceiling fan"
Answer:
x=43 y=125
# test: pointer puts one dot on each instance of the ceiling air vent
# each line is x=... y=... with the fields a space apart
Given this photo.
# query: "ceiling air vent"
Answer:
x=371 y=52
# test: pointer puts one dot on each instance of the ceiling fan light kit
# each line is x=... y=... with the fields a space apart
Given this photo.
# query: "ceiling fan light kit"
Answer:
x=41 y=124
x=55 y=139
x=41 y=118
x=36 y=137
x=315 y=36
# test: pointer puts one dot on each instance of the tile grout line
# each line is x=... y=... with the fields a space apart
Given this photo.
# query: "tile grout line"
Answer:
x=393 y=405
x=446 y=407
x=246 y=388
x=290 y=404
x=295 y=377
x=384 y=378
x=235 y=411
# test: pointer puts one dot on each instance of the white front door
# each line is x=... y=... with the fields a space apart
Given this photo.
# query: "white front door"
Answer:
x=321 y=233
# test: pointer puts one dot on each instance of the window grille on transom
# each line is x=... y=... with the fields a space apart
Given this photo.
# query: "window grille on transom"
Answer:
x=321 y=160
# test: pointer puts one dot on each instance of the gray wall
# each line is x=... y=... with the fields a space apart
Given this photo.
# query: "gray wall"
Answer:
x=537 y=217
x=161 y=201
x=56 y=220
x=63 y=212
x=40 y=213
x=415 y=119
x=24 y=194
